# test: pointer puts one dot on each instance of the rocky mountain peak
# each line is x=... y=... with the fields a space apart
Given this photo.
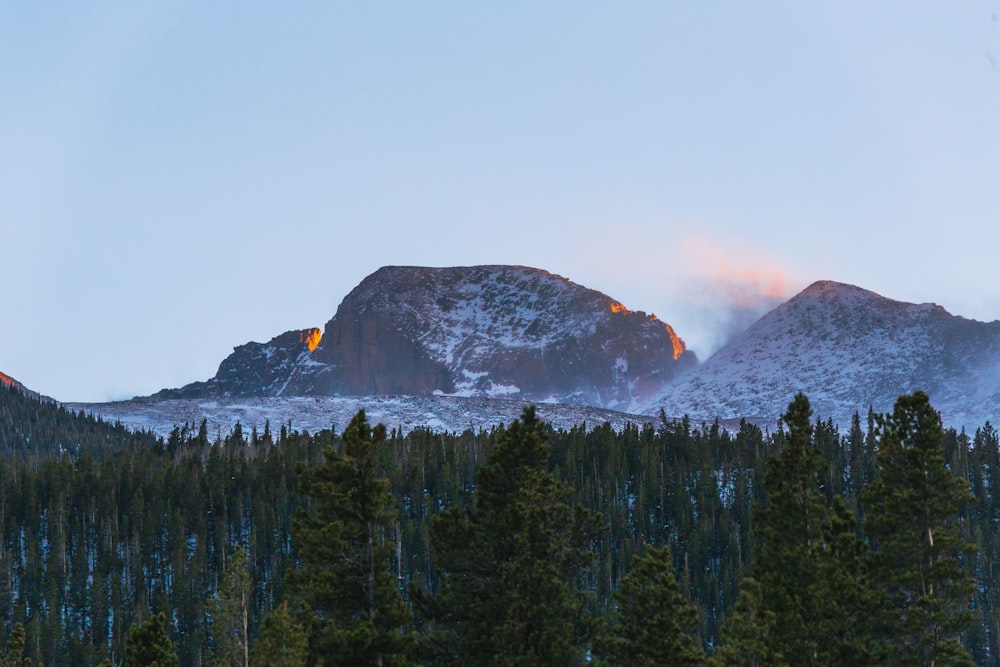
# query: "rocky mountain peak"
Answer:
x=255 y=369
x=497 y=331
x=847 y=348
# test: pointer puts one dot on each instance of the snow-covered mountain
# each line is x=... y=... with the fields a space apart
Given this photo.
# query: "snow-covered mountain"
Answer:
x=846 y=348
x=481 y=331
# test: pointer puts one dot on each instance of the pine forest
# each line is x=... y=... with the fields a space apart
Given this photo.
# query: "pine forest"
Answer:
x=670 y=543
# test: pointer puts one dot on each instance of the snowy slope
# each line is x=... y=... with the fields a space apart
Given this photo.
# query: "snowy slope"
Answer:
x=405 y=413
x=846 y=348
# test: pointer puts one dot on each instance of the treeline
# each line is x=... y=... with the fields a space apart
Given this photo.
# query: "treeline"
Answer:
x=103 y=529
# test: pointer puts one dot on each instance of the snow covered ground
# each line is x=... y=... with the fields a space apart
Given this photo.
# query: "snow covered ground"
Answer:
x=308 y=413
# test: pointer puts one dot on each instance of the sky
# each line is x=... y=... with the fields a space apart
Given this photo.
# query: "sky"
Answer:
x=179 y=178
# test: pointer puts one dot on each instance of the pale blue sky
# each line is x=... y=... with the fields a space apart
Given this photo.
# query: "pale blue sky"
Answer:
x=181 y=177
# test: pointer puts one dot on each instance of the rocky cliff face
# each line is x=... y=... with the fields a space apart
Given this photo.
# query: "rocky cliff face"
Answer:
x=493 y=331
x=255 y=369
x=847 y=349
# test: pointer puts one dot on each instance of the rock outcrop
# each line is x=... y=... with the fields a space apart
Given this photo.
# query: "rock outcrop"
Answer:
x=255 y=369
x=491 y=331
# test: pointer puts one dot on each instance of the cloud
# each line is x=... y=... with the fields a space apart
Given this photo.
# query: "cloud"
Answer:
x=719 y=292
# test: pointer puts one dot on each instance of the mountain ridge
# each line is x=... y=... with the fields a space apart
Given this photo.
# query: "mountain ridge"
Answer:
x=847 y=348
x=486 y=331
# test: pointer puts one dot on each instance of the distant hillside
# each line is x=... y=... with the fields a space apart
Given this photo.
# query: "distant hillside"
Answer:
x=32 y=428
x=8 y=381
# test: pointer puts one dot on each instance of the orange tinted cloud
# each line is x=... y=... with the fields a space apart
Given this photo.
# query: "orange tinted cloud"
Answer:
x=743 y=282
x=720 y=291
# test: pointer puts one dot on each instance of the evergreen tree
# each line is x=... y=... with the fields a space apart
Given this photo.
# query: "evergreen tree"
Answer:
x=790 y=527
x=654 y=621
x=809 y=563
x=148 y=645
x=912 y=522
x=14 y=655
x=230 y=612
x=345 y=547
x=283 y=641
x=746 y=640
x=511 y=565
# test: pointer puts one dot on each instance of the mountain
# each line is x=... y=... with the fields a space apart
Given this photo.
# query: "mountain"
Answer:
x=483 y=331
x=846 y=348
x=255 y=369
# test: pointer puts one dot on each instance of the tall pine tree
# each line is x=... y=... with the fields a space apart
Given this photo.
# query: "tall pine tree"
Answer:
x=912 y=522
x=808 y=574
x=511 y=566
x=230 y=612
x=654 y=622
x=345 y=546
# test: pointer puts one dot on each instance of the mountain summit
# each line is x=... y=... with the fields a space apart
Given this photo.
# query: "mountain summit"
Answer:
x=847 y=349
x=489 y=331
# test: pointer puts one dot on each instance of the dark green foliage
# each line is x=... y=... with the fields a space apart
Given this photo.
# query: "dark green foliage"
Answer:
x=284 y=641
x=32 y=429
x=790 y=526
x=91 y=545
x=148 y=644
x=923 y=594
x=809 y=581
x=344 y=545
x=96 y=537
x=14 y=655
x=511 y=563
x=230 y=613
x=655 y=623
x=747 y=639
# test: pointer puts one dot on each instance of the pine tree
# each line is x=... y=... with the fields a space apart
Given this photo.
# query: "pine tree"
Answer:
x=148 y=645
x=14 y=655
x=912 y=522
x=510 y=566
x=790 y=527
x=654 y=621
x=283 y=642
x=808 y=569
x=230 y=612
x=345 y=547
x=746 y=639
